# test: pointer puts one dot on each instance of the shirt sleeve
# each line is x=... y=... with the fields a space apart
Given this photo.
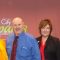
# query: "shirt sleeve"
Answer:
x=58 y=50
x=35 y=50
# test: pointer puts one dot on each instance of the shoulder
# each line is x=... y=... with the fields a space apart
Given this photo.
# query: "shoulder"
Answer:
x=38 y=38
x=54 y=39
x=29 y=37
x=10 y=37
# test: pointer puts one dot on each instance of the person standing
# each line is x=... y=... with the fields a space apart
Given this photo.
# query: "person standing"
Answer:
x=21 y=45
x=48 y=44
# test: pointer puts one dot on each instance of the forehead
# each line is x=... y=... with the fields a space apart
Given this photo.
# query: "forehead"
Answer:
x=17 y=21
x=47 y=26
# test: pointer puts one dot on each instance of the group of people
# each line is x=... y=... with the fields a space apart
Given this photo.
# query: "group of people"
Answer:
x=21 y=45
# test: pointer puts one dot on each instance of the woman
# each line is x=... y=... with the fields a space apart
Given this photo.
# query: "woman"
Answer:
x=3 y=54
x=49 y=45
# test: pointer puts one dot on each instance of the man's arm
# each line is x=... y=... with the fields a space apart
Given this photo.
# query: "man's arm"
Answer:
x=35 y=51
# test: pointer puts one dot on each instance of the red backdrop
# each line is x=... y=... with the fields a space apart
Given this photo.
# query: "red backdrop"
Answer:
x=32 y=11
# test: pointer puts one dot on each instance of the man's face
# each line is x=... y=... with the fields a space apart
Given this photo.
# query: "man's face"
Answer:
x=17 y=25
x=45 y=31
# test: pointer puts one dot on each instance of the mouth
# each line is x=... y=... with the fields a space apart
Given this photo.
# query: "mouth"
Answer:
x=17 y=29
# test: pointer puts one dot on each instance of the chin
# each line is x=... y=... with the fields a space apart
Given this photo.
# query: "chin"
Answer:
x=45 y=35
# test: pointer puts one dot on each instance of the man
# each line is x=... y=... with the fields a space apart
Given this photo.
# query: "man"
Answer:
x=49 y=45
x=26 y=47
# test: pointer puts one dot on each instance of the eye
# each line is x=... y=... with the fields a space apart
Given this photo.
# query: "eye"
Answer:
x=14 y=24
x=48 y=27
x=19 y=24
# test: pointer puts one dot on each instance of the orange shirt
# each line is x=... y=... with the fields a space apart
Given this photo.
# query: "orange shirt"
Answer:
x=3 y=54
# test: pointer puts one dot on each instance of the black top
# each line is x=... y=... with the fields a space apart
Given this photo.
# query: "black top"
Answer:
x=52 y=48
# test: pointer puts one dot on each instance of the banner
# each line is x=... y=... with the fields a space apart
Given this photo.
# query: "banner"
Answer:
x=5 y=27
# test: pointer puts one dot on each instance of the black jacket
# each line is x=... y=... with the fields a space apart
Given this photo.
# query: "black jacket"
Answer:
x=52 y=48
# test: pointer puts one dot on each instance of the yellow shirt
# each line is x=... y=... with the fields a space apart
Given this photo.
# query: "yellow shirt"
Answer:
x=3 y=53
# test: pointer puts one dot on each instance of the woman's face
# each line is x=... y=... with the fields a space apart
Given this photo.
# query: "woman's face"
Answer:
x=45 y=31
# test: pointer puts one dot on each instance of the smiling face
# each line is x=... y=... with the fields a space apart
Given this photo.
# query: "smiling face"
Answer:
x=45 y=27
x=45 y=31
x=17 y=25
